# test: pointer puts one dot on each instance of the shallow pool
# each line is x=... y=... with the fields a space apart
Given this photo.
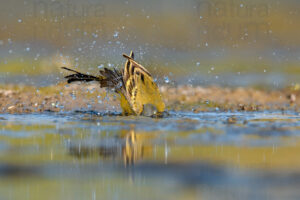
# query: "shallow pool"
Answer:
x=212 y=155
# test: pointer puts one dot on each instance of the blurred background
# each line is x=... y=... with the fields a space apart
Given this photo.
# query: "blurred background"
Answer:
x=217 y=143
x=200 y=42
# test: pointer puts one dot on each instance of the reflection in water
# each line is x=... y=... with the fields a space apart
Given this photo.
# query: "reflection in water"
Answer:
x=128 y=147
x=182 y=156
x=133 y=150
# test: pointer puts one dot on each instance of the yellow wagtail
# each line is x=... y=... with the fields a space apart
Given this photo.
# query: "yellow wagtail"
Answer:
x=139 y=94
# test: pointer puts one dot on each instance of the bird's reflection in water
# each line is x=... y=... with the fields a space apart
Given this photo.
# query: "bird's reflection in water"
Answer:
x=133 y=149
x=128 y=148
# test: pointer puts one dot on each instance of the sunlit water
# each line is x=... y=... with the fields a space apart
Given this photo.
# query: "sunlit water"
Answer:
x=80 y=155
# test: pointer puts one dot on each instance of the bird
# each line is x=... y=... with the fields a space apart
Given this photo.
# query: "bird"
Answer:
x=138 y=92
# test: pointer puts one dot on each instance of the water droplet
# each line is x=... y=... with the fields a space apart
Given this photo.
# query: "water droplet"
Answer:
x=265 y=70
x=37 y=56
x=166 y=79
x=100 y=66
x=206 y=44
x=10 y=51
x=28 y=49
x=198 y=63
x=116 y=34
x=73 y=95
x=19 y=20
x=212 y=68
x=79 y=49
x=120 y=84
x=242 y=5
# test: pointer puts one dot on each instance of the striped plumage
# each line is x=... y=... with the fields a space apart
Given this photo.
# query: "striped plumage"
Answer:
x=138 y=92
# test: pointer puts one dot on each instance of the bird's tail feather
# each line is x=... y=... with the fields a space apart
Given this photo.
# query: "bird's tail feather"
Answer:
x=108 y=78
x=77 y=76
x=111 y=78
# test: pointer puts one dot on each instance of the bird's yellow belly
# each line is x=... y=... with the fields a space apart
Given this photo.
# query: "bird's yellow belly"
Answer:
x=125 y=105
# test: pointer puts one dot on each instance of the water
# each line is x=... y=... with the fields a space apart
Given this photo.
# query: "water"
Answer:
x=212 y=155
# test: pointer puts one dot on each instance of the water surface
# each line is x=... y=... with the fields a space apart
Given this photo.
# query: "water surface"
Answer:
x=212 y=155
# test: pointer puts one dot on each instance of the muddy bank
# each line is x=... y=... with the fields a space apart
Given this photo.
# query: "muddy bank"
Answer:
x=62 y=97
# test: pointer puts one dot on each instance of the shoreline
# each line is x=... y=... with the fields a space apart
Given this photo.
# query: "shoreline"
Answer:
x=21 y=99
